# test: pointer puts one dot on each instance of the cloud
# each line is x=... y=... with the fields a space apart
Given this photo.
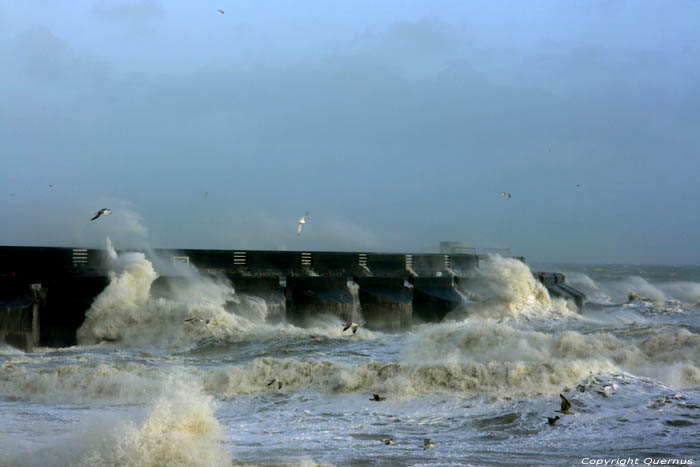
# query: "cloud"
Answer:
x=427 y=35
x=43 y=55
x=384 y=158
x=128 y=10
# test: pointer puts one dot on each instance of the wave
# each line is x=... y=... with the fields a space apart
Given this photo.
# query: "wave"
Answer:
x=121 y=382
x=135 y=310
x=465 y=360
x=672 y=355
x=504 y=288
x=178 y=428
x=668 y=294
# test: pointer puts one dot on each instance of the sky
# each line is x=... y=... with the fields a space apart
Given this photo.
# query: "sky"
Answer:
x=397 y=124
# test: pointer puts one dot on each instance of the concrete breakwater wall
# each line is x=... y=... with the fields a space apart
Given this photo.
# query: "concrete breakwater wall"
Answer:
x=19 y=313
x=382 y=290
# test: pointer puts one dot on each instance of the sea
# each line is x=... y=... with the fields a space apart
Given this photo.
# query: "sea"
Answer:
x=183 y=378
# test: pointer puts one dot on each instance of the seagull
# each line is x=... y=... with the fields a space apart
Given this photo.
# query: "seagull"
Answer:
x=506 y=194
x=565 y=405
x=388 y=442
x=347 y=326
x=552 y=421
x=377 y=398
x=101 y=212
x=301 y=222
x=273 y=381
x=221 y=11
x=427 y=444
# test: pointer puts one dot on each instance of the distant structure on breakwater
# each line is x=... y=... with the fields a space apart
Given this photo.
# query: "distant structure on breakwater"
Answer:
x=45 y=291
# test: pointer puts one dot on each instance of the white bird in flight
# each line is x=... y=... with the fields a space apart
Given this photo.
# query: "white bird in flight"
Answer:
x=506 y=194
x=221 y=11
x=301 y=222
x=101 y=212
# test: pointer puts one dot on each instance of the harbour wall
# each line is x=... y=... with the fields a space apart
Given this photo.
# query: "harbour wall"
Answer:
x=385 y=291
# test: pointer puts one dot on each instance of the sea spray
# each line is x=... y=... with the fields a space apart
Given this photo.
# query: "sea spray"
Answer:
x=82 y=381
x=497 y=343
x=122 y=302
x=195 y=309
x=505 y=288
x=180 y=429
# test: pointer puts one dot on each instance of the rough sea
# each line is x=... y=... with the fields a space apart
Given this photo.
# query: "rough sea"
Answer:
x=181 y=379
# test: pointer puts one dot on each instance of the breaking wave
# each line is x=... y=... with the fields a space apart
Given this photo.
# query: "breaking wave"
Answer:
x=196 y=309
x=179 y=429
x=504 y=288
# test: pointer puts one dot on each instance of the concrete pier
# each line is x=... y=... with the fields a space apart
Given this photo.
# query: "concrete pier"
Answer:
x=433 y=298
x=310 y=297
x=252 y=290
x=386 y=302
x=19 y=314
x=556 y=285
x=387 y=291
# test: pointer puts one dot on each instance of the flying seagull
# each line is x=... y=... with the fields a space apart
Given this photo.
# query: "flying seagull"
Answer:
x=506 y=194
x=347 y=326
x=101 y=212
x=552 y=421
x=377 y=398
x=221 y=11
x=565 y=405
x=427 y=444
x=273 y=381
x=301 y=222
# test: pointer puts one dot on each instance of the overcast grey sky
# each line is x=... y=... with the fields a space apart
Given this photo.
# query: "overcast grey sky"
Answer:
x=396 y=123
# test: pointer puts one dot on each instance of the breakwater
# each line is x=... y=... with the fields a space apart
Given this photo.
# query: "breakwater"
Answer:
x=45 y=292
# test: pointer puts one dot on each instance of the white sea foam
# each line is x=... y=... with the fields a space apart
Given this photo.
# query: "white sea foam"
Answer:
x=495 y=344
x=77 y=382
x=507 y=290
x=195 y=309
x=179 y=429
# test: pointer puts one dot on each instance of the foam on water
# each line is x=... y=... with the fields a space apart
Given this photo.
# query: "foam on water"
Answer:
x=178 y=428
x=671 y=355
x=199 y=309
x=478 y=384
x=504 y=288
x=80 y=380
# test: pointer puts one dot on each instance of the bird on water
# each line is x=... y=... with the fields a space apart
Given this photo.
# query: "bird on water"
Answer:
x=427 y=444
x=273 y=381
x=377 y=398
x=101 y=212
x=552 y=421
